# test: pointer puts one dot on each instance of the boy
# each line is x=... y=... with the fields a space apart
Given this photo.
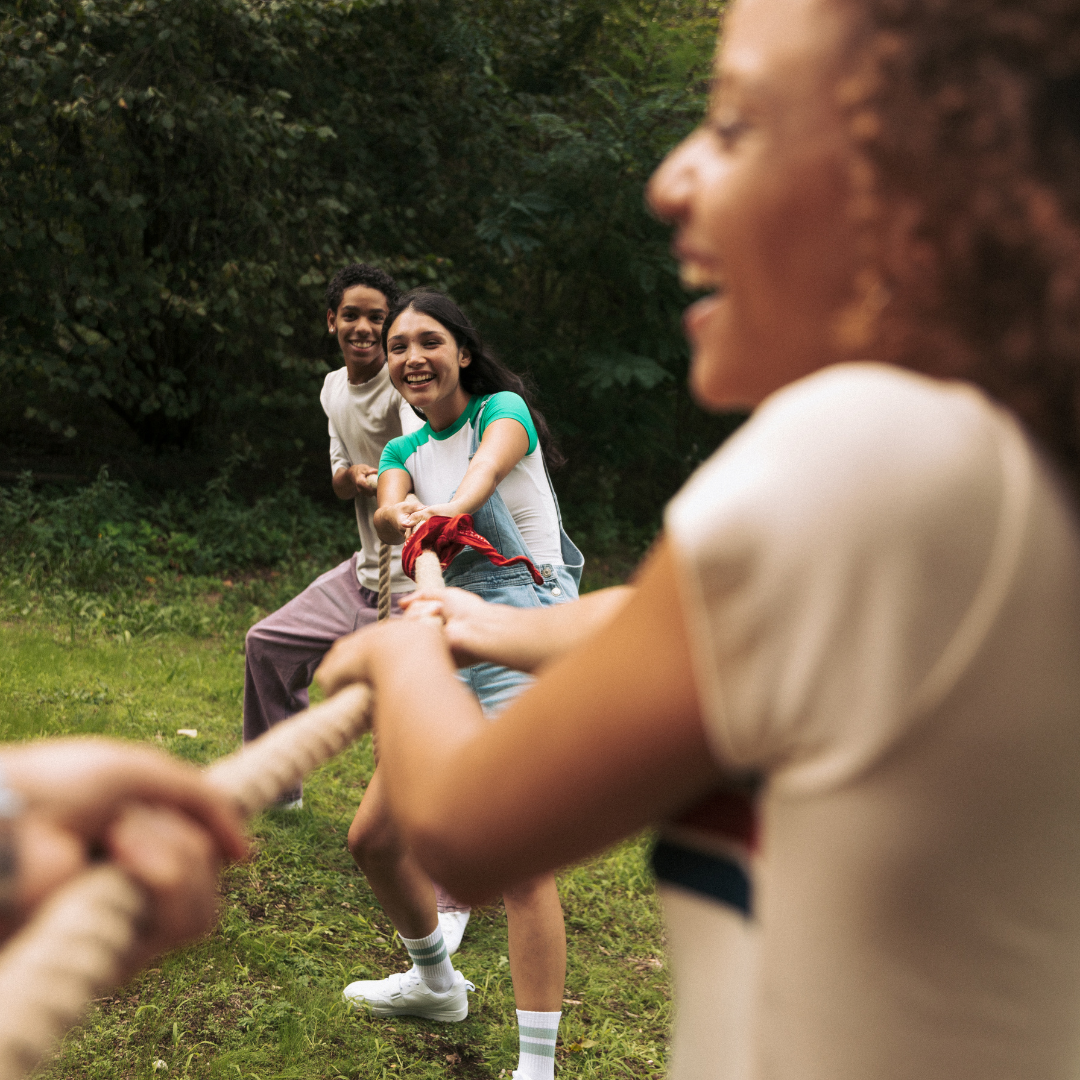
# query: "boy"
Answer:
x=364 y=412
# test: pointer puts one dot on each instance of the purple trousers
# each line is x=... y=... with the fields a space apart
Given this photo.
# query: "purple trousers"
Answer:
x=284 y=649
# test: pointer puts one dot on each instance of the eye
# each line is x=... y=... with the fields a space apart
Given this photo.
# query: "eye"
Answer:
x=728 y=125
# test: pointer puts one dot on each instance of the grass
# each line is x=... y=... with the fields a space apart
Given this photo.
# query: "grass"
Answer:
x=259 y=998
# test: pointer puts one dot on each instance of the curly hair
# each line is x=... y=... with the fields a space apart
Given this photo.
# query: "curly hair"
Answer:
x=965 y=117
x=360 y=274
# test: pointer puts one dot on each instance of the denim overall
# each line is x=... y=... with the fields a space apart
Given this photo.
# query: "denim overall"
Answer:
x=497 y=686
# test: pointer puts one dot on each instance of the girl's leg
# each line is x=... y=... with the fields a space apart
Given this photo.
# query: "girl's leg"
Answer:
x=538 y=967
x=431 y=988
x=537 y=935
x=403 y=889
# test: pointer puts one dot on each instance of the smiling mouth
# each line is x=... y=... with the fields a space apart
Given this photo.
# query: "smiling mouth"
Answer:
x=363 y=345
x=694 y=275
x=418 y=380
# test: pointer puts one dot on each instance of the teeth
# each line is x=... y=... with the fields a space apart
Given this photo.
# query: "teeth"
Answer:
x=418 y=378
x=695 y=276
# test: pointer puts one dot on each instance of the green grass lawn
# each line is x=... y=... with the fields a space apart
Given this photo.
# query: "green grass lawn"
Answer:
x=260 y=997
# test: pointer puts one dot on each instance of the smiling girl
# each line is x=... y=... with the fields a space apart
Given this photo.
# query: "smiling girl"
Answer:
x=481 y=452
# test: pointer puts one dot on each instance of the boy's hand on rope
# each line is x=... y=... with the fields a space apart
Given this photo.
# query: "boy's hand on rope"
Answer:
x=365 y=477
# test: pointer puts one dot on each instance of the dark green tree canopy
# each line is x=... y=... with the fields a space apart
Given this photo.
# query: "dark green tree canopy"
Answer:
x=178 y=178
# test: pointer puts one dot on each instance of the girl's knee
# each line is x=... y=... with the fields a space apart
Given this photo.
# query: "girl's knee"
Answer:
x=371 y=841
x=538 y=890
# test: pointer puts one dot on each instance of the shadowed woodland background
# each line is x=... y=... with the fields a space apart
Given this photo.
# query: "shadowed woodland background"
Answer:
x=178 y=178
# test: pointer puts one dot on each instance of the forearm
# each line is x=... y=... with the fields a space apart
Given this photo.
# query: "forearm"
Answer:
x=424 y=717
x=476 y=487
x=386 y=527
x=526 y=639
x=344 y=485
x=607 y=740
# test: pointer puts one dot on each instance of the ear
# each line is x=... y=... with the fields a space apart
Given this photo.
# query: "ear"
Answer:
x=331 y=320
x=464 y=358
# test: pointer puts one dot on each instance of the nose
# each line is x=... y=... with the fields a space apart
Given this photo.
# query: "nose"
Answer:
x=672 y=186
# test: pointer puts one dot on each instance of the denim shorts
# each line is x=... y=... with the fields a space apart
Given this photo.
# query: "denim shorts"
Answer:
x=496 y=686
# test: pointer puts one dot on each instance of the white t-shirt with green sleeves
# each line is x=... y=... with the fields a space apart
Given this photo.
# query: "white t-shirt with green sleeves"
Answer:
x=438 y=460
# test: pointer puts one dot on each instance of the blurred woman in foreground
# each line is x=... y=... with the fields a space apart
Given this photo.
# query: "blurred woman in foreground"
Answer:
x=869 y=598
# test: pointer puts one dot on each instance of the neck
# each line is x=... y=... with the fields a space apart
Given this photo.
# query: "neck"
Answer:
x=362 y=373
x=443 y=413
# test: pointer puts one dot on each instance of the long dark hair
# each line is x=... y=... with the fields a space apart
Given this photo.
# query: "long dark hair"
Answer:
x=486 y=374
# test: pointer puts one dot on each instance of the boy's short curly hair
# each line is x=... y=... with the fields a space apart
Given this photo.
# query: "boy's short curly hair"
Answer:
x=965 y=118
x=360 y=274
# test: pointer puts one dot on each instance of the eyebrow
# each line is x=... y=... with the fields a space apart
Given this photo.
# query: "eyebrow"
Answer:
x=419 y=333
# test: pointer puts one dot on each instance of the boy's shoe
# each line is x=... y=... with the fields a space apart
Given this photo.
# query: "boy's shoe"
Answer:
x=406 y=994
x=452 y=924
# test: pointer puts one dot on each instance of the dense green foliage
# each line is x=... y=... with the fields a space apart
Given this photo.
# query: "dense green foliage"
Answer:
x=178 y=178
x=101 y=561
x=100 y=536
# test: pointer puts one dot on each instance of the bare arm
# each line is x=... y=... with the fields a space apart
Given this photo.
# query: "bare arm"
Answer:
x=613 y=732
x=504 y=444
x=355 y=480
x=525 y=639
x=396 y=504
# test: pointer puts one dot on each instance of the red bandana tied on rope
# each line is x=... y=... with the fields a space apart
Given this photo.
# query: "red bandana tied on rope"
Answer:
x=447 y=537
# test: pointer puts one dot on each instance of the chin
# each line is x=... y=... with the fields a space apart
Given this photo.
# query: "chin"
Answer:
x=712 y=385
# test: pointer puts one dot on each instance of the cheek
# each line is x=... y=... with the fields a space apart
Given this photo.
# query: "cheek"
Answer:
x=789 y=259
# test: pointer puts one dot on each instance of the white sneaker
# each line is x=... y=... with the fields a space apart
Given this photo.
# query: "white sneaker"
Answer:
x=452 y=924
x=406 y=994
x=292 y=804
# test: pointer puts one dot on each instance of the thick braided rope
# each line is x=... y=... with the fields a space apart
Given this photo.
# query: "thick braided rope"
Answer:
x=75 y=946
x=384 y=582
x=428 y=571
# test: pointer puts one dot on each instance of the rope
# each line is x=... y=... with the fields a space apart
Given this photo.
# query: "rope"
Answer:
x=428 y=571
x=384 y=582
x=73 y=949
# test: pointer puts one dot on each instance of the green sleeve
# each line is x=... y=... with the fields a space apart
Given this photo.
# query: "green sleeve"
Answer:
x=395 y=453
x=502 y=406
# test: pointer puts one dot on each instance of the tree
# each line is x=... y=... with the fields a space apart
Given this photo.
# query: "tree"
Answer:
x=179 y=177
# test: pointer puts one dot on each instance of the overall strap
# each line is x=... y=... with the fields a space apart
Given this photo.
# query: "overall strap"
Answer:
x=474 y=427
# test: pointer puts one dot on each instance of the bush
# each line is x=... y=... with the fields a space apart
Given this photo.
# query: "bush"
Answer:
x=101 y=537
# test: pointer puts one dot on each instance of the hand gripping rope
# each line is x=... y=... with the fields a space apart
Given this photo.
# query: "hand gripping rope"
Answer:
x=74 y=947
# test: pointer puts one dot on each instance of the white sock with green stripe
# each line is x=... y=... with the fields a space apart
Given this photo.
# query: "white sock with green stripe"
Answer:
x=429 y=956
x=537 y=1032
